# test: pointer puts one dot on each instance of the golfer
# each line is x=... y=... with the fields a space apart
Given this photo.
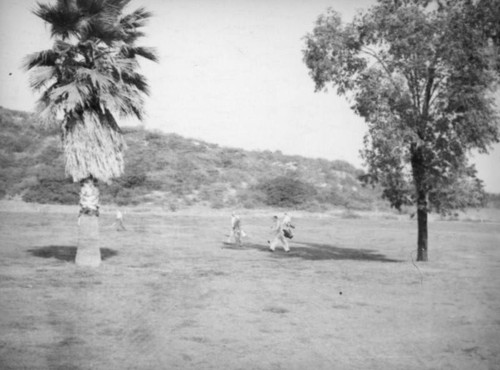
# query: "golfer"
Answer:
x=119 y=221
x=279 y=236
x=287 y=226
x=236 y=231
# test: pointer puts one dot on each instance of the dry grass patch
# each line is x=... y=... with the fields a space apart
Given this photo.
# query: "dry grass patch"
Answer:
x=170 y=294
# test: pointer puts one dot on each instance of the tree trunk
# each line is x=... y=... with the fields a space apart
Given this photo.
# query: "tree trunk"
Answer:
x=422 y=230
x=88 y=253
x=418 y=167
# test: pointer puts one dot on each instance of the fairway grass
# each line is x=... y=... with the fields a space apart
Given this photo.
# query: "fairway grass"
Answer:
x=171 y=295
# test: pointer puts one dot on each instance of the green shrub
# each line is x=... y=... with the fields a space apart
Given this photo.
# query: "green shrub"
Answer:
x=493 y=200
x=335 y=197
x=349 y=214
x=217 y=204
x=59 y=191
x=314 y=206
x=126 y=197
x=284 y=191
x=133 y=181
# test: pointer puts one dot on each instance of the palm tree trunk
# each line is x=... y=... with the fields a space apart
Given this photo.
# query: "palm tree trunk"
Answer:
x=88 y=252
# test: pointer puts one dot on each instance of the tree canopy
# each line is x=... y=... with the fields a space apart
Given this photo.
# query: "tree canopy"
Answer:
x=89 y=78
x=422 y=74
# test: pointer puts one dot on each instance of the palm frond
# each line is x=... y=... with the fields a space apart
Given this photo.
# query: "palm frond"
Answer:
x=93 y=146
x=130 y=37
x=85 y=28
x=91 y=7
x=125 y=100
x=41 y=77
x=62 y=18
x=106 y=32
x=131 y=24
x=123 y=65
x=70 y=94
x=119 y=3
x=132 y=107
x=99 y=81
x=137 y=80
x=142 y=51
x=115 y=6
x=39 y=59
x=45 y=11
x=136 y=19
x=47 y=111
x=61 y=47
x=149 y=53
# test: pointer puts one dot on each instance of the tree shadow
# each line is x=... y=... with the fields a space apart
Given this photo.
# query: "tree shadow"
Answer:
x=65 y=252
x=319 y=252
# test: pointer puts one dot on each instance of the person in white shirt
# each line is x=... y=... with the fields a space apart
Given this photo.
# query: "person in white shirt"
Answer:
x=279 y=236
x=236 y=231
x=119 y=221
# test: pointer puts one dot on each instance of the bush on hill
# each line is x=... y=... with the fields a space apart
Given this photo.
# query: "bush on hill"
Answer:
x=493 y=200
x=285 y=191
x=60 y=191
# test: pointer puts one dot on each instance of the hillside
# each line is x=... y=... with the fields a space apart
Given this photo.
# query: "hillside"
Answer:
x=175 y=172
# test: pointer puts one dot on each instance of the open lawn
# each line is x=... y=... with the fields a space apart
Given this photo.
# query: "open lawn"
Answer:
x=171 y=295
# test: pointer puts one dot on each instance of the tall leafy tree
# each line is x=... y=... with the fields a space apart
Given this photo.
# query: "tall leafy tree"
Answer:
x=88 y=80
x=422 y=74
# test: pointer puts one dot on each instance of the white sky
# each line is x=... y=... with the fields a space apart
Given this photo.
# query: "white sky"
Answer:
x=231 y=73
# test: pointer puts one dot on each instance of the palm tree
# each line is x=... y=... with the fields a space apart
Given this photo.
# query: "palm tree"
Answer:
x=87 y=80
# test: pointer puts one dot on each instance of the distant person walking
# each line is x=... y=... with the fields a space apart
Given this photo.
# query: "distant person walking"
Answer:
x=119 y=221
x=236 y=232
x=278 y=235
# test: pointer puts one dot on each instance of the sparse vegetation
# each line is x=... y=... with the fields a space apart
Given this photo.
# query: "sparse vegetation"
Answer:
x=176 y=172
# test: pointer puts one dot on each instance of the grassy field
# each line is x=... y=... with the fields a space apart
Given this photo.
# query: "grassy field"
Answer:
x=171 y=295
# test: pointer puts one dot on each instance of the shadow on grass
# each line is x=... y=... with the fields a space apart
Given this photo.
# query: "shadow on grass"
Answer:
x=65 y=253
x=318 y=252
